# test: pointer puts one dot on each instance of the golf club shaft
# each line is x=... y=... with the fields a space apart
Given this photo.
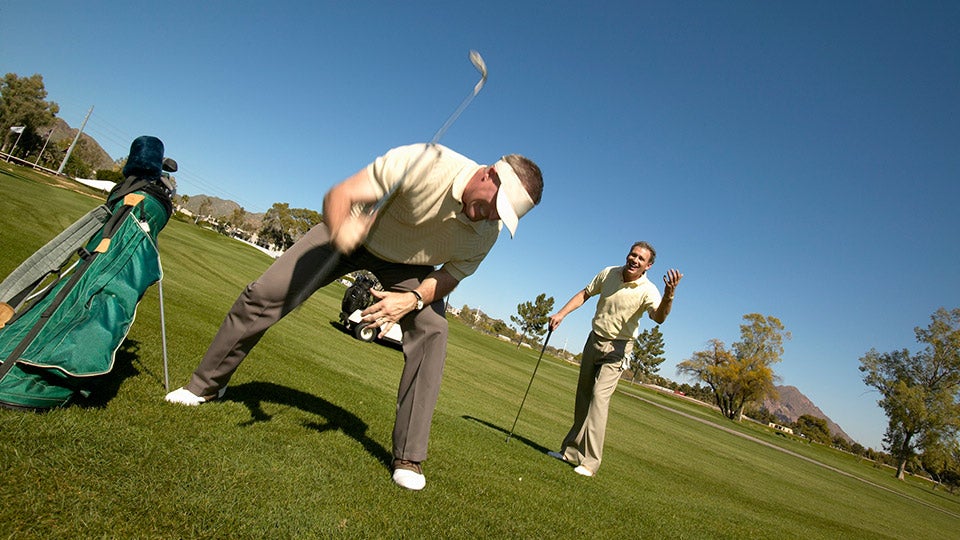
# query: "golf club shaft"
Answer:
x=482 y=68
x=545 y=341
x=331 y=263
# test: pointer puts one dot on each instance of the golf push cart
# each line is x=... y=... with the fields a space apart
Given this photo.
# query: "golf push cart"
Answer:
x=357 y=298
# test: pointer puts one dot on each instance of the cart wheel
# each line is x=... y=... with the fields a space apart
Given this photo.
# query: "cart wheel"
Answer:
x=364 y=332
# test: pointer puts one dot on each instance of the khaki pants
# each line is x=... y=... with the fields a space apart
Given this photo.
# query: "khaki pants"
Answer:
x=600 y=367
x=273 y=295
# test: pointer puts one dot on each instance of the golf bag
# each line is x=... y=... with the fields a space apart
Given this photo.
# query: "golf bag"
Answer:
x=63 y=335
x=357 y=296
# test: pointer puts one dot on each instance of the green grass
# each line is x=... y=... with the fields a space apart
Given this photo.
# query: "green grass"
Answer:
x=298 y=449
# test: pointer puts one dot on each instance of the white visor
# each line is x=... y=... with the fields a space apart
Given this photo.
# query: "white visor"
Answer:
x=513 y=201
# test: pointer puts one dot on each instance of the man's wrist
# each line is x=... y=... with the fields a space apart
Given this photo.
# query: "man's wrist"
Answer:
x=419 y=305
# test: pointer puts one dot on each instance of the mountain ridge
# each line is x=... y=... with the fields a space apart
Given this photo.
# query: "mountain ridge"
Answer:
x=792 y=404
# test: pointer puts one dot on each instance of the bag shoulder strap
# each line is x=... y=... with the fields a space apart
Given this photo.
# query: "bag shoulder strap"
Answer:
x=49 y=259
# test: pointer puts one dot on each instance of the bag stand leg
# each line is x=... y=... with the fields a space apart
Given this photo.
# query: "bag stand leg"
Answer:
x=163 y=338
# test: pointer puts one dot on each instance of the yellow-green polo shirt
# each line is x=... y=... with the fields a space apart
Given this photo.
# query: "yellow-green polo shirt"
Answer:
x=424 y=223
x=621 y=304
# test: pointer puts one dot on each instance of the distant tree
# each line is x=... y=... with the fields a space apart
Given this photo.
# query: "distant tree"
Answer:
x=75 y=166
x=702 y=393
x=282 y=225
x=237 y=218
x=304 y=219
x=942 y=463
x=919 y=392
x=23 y=103
x=744 y=374
x=815 y=429
x=763 y=415
x=204 y=210
x=532 y=317
x=858 y=448
x=50 y=152
x=110 y=175
x=842 y=443
x=715 y=366
x=274 y=228
x=647 y=353
x=498 y=327
x=466 y=314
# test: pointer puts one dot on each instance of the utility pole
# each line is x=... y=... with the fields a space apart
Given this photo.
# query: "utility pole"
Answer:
x=75 y=139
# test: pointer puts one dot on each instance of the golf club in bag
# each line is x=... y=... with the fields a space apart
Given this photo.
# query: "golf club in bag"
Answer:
x=331 y=263
x=545 y=341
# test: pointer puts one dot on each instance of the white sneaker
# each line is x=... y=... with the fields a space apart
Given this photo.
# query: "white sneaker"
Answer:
x=583 y=471
x=182 y=396
x=408 y=474
x=557 y=455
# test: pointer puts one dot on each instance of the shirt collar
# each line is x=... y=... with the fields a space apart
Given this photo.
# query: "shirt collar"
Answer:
x=634 y=283
x=460 y=182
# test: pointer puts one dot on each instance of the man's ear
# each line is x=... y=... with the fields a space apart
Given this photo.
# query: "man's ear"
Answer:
x=492 y=173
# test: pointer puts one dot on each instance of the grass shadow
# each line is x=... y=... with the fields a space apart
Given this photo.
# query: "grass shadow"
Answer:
x=105 y=387
x=254 y=394
x=506 y=433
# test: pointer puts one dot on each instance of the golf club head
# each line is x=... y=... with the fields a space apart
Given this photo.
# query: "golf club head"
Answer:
x=481 y=66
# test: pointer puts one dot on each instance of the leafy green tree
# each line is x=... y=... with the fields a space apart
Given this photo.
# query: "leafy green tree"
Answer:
x=843 y=444
x=304 y=219
x=23 y=103
x=744 y=374
x=237 y=218
x=920 y=392
x=762 y=415
x=532 y=317
x=498 y=327
x=110 y=175
x=282 y=225
x=647 y=353
x=815 y=429
x=715 y=366
x=75 y=166
x=942 y=462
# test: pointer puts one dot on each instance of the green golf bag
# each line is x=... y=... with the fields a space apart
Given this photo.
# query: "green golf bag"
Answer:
x=61 y=339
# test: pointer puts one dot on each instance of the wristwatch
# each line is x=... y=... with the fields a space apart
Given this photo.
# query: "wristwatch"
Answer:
x=419 y=300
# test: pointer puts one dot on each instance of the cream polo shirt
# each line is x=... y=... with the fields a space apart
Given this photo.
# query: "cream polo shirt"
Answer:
x=621 y=304
x=424 y=223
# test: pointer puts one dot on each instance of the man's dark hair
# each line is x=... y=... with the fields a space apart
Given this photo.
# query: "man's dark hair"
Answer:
x=529 y=174
x=648 y=247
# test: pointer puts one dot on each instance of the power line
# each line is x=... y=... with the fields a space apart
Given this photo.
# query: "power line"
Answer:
x=102 y=129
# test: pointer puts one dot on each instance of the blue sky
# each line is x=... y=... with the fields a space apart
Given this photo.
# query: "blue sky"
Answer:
x=798 y=160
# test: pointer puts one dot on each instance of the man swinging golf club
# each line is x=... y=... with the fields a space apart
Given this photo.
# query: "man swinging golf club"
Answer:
x=625 y=295
x=444 y=210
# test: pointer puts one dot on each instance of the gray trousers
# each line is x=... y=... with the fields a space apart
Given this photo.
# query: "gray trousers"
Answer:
x=291 y=277
x=600 y=369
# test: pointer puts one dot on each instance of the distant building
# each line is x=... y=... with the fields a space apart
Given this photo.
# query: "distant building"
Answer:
x=778 y=427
